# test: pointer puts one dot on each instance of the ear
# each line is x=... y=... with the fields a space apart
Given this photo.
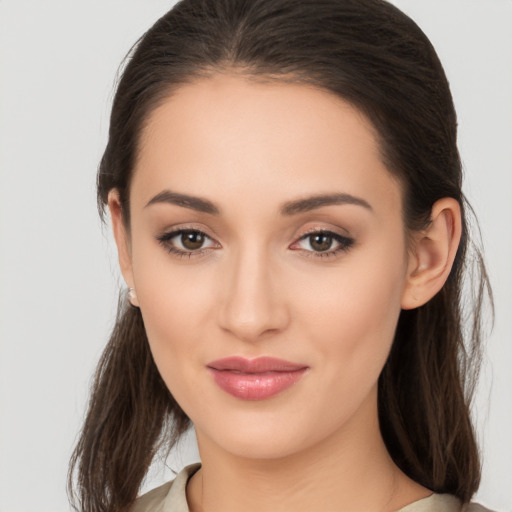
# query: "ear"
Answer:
x=432 y=255
x=122 y=241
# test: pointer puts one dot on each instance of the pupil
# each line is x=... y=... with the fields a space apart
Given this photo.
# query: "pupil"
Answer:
x=192 y=240
x=321 y=242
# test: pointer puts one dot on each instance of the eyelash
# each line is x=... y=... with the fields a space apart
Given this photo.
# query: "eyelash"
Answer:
x=345 y=243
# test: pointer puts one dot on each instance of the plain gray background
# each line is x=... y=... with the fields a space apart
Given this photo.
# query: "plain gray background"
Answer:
x=58 y=274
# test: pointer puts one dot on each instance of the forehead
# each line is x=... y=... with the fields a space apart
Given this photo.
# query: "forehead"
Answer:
x=226 y=134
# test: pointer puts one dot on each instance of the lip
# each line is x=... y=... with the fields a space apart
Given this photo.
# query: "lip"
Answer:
x=255 y=379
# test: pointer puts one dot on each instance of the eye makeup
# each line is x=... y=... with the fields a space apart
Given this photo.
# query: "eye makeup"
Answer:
x=324 y=240
x=192 y=242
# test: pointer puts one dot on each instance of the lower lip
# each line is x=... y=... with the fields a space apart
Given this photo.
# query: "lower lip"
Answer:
x=255 y=386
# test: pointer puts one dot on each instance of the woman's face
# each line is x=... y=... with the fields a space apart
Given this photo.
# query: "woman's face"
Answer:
x=264 y=224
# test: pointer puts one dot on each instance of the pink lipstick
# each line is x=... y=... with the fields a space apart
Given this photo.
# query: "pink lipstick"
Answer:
x=255 y=379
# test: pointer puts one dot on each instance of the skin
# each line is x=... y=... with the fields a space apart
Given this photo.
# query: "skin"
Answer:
x=260 y=287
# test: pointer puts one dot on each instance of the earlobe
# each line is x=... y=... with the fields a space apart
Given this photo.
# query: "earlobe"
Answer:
x=132 y=297
x=122 y=240
x=431 y=257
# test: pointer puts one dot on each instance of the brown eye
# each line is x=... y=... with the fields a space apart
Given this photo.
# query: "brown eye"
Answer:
x=320 y=242
x=187 y=242
x=323 y=244
x=192 y=240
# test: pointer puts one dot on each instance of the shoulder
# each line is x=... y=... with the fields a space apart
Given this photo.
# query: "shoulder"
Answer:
x=153 y=500
x=169 y=497
x=443 y=503
x=475 y=507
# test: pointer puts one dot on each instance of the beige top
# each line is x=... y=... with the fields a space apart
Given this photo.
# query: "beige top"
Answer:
x=171 y=497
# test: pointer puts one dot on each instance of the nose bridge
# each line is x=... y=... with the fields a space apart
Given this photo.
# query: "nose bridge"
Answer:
x=252 y=304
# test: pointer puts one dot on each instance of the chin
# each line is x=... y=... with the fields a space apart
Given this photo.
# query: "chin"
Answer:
x=260 y=436
x=264 y=448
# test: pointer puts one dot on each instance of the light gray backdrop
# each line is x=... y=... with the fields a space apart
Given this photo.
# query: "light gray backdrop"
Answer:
x=58 y=276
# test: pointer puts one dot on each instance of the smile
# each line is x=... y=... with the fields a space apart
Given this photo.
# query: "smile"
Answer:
x=255 y=379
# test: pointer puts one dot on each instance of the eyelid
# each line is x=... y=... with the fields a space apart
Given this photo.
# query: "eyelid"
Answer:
x=320 y=229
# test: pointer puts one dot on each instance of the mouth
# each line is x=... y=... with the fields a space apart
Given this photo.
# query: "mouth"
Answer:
x=255 y=379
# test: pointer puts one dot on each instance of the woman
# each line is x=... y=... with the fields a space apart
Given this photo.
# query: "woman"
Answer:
x=285 y=193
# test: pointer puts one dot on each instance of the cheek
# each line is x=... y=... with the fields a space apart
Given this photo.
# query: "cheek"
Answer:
x=176 y=302
x=353 y=315
x=174 y=299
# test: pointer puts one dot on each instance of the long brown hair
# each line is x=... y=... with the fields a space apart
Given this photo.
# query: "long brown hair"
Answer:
x=372 y=55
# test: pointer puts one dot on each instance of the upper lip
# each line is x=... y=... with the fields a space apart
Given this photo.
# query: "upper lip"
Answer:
x=258 y=365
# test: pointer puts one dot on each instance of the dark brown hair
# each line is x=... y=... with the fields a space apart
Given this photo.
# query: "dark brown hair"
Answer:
x=372 y=55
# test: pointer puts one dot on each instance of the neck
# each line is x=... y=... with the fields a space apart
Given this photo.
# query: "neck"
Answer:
x=351 y=471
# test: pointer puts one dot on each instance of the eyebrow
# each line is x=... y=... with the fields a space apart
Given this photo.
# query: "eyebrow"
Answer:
x=311 y=203
x=194 y=203
x=289 y=208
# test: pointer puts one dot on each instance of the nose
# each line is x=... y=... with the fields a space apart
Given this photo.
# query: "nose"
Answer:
x=253 y=304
